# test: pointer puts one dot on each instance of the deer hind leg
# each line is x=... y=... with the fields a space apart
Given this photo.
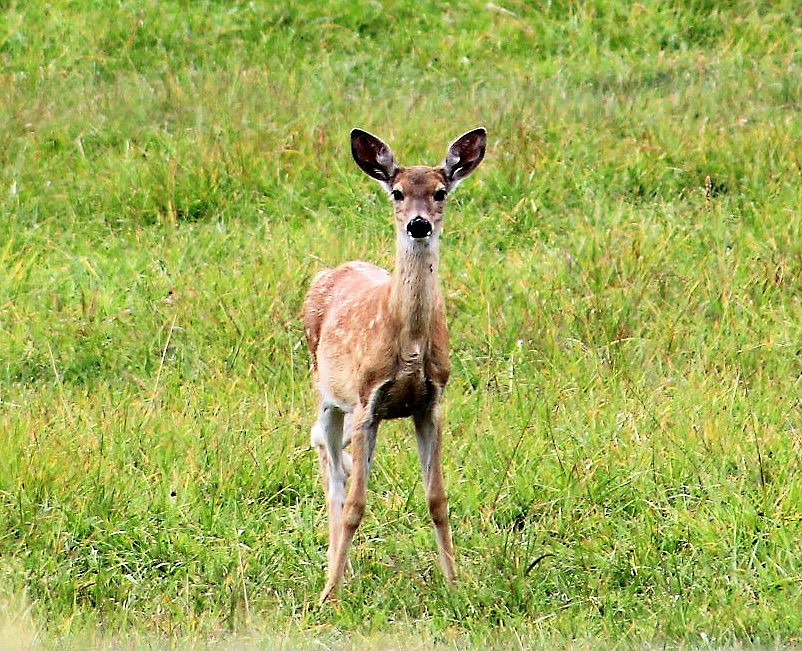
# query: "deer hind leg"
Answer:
x=363 y=430
x=428 y=434
x=348 y=461
x=327 y=437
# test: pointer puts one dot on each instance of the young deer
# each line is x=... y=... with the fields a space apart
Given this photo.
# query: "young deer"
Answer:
x=379 y=345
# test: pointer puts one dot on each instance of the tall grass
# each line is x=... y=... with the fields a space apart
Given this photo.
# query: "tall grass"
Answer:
x=623 y=285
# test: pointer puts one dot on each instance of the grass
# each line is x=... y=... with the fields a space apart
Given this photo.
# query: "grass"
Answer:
x=623 y=285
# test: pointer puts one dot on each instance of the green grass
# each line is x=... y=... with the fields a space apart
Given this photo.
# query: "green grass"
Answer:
x=623 y=279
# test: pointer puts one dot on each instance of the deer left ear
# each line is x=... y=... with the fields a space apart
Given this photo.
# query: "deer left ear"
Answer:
x=464 y=155
x=374 y=157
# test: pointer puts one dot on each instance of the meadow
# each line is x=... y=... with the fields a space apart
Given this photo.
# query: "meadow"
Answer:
x=622 y=276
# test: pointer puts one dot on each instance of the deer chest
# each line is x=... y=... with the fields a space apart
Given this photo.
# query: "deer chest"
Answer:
x=403 y=395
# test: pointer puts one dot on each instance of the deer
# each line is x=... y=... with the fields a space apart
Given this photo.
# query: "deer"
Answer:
x=380 y=348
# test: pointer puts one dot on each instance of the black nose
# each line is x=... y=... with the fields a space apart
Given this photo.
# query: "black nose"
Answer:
x=419 y=228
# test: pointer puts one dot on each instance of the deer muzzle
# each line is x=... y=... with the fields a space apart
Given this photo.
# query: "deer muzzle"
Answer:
x=418 y=228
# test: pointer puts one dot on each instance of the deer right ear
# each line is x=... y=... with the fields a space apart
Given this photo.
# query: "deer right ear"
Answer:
x=373 y=156
x=464 y=155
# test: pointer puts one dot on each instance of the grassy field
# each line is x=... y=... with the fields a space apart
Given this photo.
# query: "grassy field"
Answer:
x=622 y=275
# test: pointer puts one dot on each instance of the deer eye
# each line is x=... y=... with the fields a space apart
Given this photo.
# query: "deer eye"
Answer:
x=440 y=194
x=397 y=195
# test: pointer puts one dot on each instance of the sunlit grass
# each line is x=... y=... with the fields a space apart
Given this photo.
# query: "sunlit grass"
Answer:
x=622 y=278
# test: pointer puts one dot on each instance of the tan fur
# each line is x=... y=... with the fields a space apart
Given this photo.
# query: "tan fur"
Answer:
x=379 y=345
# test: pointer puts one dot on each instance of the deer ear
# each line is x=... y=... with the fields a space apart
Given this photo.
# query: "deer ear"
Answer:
x=464 y=155
x=373 y=156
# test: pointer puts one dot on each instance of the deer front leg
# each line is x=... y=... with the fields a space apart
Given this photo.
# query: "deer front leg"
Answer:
x=363 y=441
x=428 y=434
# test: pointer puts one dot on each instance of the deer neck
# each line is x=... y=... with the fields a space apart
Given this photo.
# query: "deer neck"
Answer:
x=415 y=291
